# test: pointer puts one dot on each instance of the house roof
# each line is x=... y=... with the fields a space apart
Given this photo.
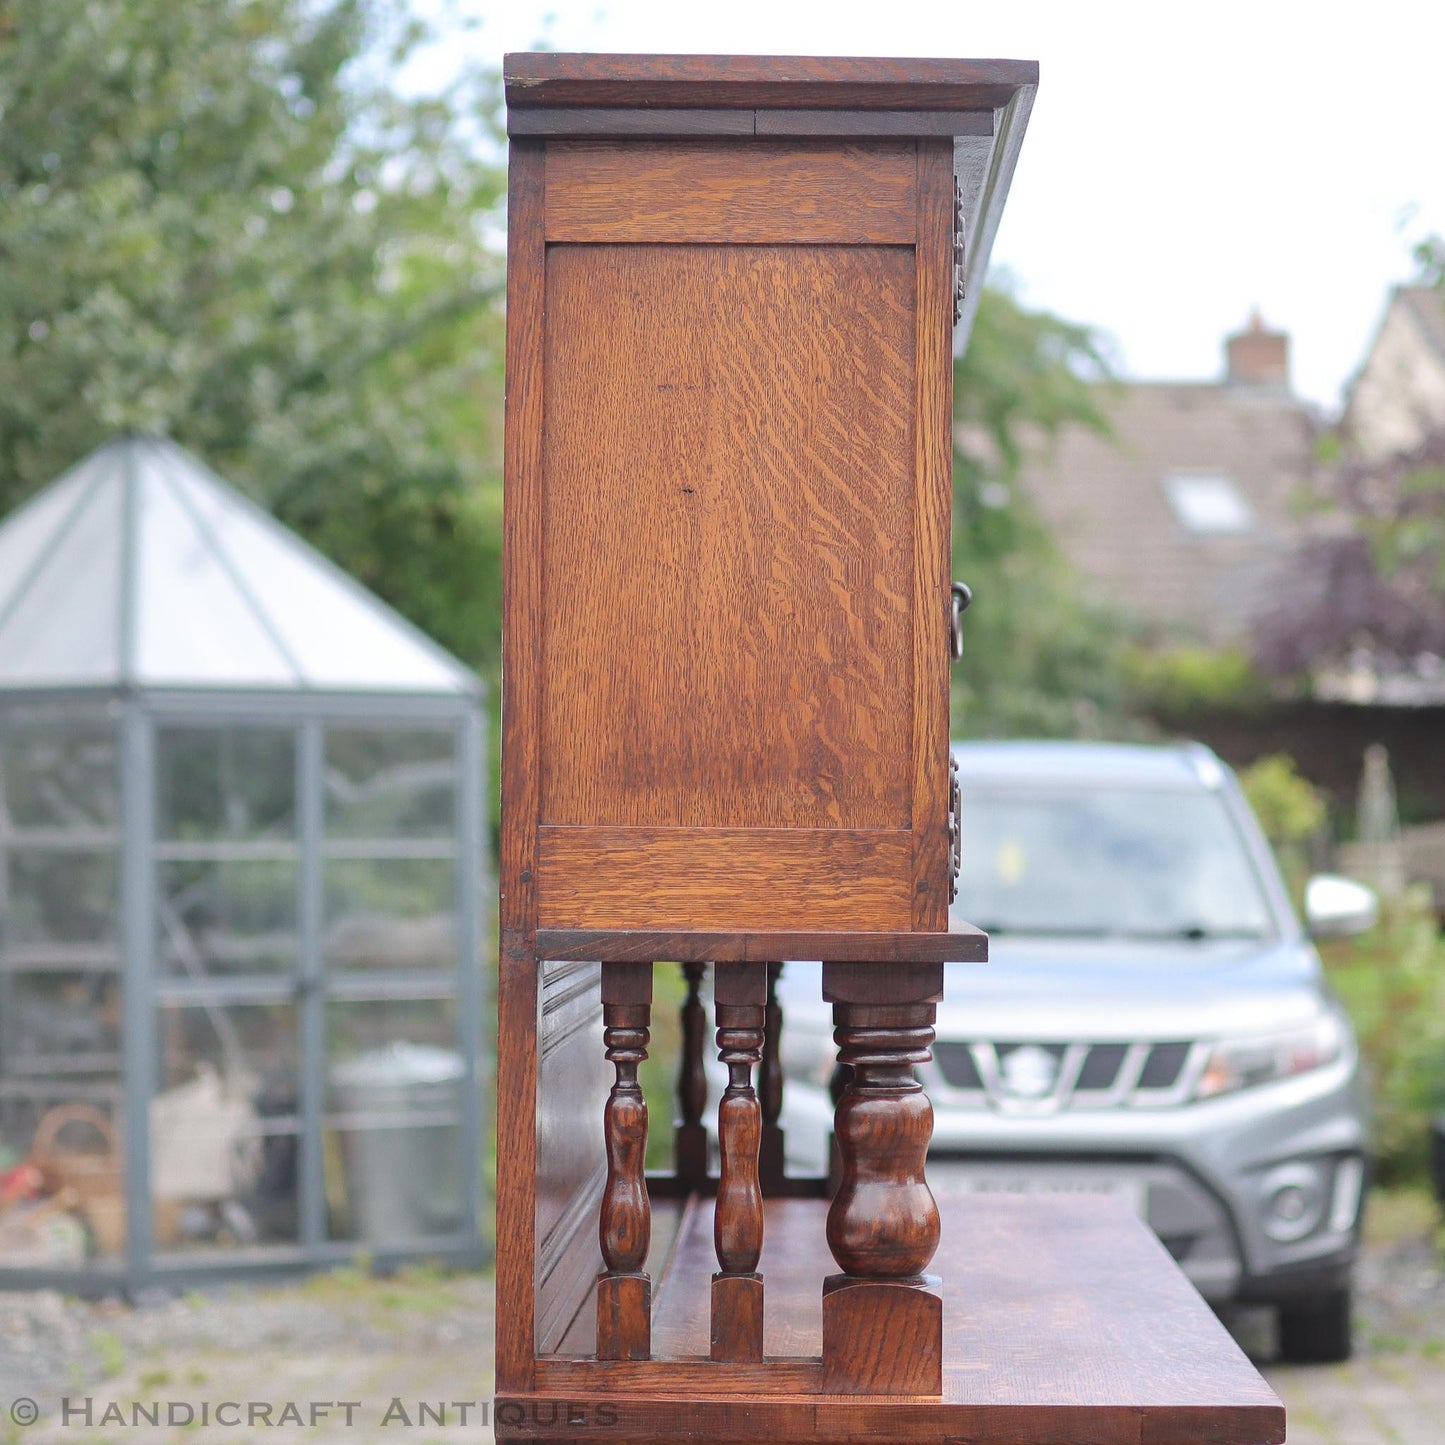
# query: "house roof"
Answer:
x=1117 y=504
x=141 y=568
x=1427 y=305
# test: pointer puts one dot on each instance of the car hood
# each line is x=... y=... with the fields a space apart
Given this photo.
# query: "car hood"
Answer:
x=1121 y=989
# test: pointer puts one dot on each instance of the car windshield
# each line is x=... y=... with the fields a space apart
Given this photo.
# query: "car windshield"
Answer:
x=1095 y=863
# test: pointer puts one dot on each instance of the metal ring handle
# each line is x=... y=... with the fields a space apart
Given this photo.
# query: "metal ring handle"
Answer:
x=962 y=595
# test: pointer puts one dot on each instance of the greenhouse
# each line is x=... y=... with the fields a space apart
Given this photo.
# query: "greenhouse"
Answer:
x=241 y=889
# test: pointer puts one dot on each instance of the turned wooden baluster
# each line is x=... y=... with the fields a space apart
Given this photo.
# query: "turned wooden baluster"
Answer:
x=771 y=1161
x=882 y=1316
x=740 y=998
x=624 y=1290
x=690 y=1135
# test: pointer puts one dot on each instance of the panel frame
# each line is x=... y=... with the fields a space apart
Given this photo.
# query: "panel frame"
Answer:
x=543 y=170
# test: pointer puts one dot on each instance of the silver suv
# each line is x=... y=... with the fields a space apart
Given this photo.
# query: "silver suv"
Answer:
x=1153 y=1024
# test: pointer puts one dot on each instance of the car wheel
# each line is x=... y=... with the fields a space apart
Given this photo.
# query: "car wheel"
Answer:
x=1316 y=1330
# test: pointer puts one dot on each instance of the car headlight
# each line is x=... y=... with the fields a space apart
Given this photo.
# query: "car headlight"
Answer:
x=1235 y=1064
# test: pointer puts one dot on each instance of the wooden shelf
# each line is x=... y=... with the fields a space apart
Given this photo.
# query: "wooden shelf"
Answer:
x=1064 y=1320
x=963 y=944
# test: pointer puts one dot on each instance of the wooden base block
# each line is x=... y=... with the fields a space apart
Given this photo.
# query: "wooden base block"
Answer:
x=882 y=1337
x=624 y=1317
x=737 y=1318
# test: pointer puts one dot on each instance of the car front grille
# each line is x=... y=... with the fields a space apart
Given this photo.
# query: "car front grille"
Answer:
x=1020 y=1075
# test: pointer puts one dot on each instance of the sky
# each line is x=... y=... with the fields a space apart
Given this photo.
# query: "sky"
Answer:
x=1185 y=163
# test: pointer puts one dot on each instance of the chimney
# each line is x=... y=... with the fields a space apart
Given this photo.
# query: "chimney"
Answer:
x=1257 y=356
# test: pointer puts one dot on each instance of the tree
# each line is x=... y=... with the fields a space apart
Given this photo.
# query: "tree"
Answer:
x=1041 y=659
x=221 y=221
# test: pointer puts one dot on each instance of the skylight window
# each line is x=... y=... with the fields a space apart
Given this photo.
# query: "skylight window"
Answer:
x=1208 y=505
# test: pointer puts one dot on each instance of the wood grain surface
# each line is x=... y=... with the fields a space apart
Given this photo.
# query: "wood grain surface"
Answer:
x=882 y=1338
x=571 y=1093
x=709 y=191
x=1064 y=1321
x=932 y=533
x=735 y=878
x=517 y=989
x=829 y=82
x=522 y=536
x=728 y=561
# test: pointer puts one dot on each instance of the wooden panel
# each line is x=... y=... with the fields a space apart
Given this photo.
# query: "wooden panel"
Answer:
x=540 y=78
x=933 y=403
x=572 y=1082
x=723 y=878
x=961 y=944
x=729 y=542
x=703 y=191
x=1065 y=1321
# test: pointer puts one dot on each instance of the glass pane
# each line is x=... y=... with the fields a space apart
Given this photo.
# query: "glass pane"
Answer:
x=59 y=770
x=58 y=898
x=338 y=633
x=228 y=917
x=391 y=913
x=64 y=626
x=225 y=1131
x=60 y=1024
x=217 y=635
x=225 y=783
x=60 y=1157
x=395 y=783
x=393 y=1150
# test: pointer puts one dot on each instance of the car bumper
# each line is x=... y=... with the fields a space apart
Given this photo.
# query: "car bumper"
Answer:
x=1207 y=1176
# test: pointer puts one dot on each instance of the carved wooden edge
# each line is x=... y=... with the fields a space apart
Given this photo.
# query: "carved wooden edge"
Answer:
x=961 y=944
x=772 y=82
x=617 y=123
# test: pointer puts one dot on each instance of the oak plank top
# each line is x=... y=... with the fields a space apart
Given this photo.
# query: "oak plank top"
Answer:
x=537 y=78
x=1065 y=1321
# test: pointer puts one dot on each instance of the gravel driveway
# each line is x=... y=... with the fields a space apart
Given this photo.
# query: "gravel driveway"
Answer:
x=408 y=1360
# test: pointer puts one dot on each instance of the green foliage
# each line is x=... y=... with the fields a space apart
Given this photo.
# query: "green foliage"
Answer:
x=1041 y=658
x=1292 y=812
x=1392 y=980
x=1289 y=807
x=1179 y=680
x=219 y=220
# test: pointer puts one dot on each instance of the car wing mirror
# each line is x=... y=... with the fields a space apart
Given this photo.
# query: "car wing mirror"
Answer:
x=1337 y=907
